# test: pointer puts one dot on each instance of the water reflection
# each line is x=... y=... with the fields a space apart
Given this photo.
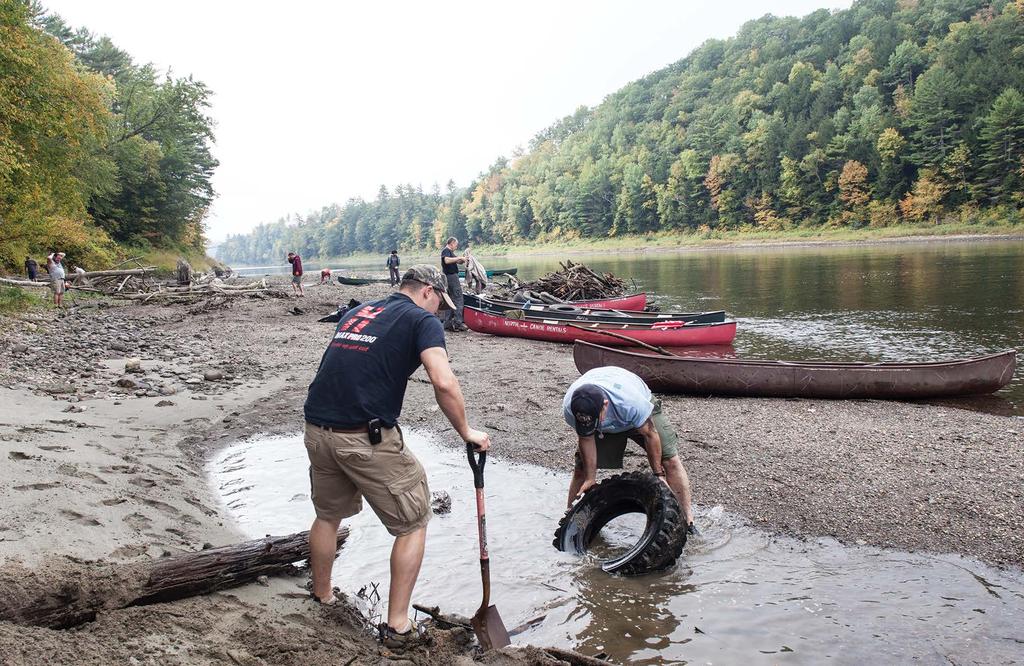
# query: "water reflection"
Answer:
x=908 y=301
x=629 y=618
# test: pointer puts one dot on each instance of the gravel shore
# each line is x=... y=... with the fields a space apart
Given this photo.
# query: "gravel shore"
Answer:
x=106 y=466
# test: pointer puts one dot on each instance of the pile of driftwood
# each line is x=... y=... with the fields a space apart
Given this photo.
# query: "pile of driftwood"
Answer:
x=204 y=291
x=210 y=294
x=575 y=282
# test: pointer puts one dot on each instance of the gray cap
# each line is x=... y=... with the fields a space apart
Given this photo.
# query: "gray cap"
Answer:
x=431 y=276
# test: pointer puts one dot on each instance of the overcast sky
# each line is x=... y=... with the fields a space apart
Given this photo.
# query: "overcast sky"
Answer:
x=317 y=102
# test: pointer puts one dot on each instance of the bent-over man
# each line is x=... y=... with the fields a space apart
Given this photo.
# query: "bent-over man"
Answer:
x=355 y=446
x=609 y=406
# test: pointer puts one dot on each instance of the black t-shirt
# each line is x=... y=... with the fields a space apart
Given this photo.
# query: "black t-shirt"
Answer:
x=364 y=372
x=449 y=269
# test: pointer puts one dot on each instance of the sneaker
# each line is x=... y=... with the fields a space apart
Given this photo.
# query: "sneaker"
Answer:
x=461 y=328
x=393 y=640
x=692 y=530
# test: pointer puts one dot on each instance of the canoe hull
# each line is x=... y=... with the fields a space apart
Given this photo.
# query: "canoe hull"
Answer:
x=781 y=379
x=576 y=313
x=359 y=282
x=497 y=271
x=627 y=302
x=553 y=331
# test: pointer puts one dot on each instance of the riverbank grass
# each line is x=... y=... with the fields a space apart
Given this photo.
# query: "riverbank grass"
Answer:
x=16 y=299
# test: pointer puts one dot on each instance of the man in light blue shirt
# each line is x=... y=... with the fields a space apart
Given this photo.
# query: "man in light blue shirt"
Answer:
x=609 y=406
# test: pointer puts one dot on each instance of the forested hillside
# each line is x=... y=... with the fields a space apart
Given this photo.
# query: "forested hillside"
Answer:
x=894 y=111
x=96 y=151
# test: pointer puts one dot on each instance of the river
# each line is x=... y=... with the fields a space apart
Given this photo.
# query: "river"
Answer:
x=916 y=301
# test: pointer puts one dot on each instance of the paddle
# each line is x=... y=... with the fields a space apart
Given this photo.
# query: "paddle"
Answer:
x=636 y=342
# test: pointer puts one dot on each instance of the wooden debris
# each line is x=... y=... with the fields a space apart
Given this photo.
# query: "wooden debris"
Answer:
x=172 y=578
x=575 y=282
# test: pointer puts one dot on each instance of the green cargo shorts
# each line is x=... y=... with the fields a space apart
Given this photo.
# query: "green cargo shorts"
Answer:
x=611 y=447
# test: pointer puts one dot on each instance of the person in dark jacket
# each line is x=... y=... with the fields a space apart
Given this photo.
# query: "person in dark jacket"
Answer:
x=393 y=263
x=31 y=267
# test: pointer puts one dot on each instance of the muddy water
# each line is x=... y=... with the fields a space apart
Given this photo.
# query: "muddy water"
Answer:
x=739 y=595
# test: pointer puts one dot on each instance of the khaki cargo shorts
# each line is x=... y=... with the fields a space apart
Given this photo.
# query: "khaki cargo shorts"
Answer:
x=611 y=447
x=344 y=467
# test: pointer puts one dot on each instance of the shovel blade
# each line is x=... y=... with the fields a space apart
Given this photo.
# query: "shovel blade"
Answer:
x=490 y=630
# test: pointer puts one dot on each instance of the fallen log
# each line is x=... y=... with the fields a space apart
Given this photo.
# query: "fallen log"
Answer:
x=575 y=658
x=67 y=603
x=119 y=272
x=23 y=283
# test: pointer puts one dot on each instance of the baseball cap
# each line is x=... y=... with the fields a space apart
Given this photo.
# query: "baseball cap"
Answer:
x=587 y=402
x=430 y=275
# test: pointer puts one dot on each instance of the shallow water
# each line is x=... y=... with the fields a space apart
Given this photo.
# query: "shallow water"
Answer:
x=740 y=595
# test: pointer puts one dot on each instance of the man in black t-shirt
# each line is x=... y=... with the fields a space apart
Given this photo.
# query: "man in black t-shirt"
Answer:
x=450 y=266
x=354 y=444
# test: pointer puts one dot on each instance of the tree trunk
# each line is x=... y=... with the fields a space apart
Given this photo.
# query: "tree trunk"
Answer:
x=68 y=603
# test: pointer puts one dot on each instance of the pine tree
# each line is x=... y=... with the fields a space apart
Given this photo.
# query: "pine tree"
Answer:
x=1002 y=138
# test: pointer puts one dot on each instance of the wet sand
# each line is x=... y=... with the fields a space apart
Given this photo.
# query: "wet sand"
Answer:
x=121 y=481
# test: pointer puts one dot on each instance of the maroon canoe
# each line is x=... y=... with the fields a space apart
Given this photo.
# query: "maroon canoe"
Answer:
x=627 y=302
x=671 y=335
x=805 y=379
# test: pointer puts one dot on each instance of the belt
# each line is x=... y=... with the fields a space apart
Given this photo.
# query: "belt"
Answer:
x=360 y=428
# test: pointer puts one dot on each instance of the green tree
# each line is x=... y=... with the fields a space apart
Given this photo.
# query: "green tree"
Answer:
x=1002 y=137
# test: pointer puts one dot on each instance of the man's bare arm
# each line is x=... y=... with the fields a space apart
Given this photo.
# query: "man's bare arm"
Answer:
x=449 y=397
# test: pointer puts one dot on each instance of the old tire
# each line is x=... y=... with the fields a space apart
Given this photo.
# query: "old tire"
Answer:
x=633 y=492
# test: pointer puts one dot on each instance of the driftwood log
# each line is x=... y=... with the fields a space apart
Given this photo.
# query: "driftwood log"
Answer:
x=68 y=604
x=23 y=283
x=575 y=658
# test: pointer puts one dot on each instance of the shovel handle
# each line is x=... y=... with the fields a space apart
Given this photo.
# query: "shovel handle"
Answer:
x=476 y=465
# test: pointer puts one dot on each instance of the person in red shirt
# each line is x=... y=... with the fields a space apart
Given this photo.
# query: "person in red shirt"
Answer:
x=296 y=262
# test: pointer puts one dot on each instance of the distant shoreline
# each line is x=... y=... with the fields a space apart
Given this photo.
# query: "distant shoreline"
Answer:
x=693 y=245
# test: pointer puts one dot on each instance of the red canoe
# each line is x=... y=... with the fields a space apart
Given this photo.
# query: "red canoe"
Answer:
x=672 y=335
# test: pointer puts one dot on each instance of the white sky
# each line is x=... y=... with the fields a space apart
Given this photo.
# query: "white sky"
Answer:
x=317 y=102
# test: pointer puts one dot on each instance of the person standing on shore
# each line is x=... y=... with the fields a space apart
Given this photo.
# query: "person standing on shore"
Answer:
x=57 y=277
x=607 y=407
x=450 y=266
x=31 y=268
x=355 y=446
x=393 y=264
x=296 y=262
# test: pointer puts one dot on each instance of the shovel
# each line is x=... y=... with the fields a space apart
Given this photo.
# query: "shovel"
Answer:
x=490 y=630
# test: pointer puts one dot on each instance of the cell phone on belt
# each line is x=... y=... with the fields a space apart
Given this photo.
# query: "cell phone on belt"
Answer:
x=373 y=427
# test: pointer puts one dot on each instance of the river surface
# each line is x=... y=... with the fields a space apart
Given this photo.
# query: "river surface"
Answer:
x=888 y=302
x=738 y=595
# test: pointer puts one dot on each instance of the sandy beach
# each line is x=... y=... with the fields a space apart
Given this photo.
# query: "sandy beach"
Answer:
x=103 y=470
